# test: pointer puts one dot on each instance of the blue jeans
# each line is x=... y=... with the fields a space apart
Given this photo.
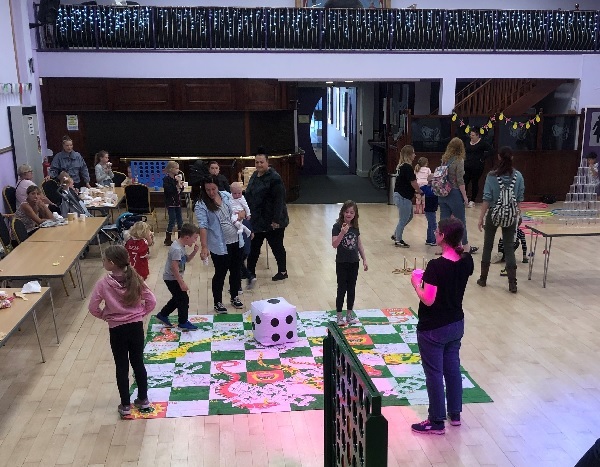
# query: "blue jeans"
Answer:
x=405 y=214
x=439 y=350
x=453 y=205
x=174 y=216
x=431 y=226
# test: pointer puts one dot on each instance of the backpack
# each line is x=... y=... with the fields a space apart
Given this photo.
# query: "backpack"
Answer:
x=440 y=185
x=198 y=172
x=506 y=211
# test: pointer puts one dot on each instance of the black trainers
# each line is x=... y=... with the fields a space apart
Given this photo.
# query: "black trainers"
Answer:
x=124 y=410
x=401 y=244
x=454 y=419
x=142 y=404
x=220 y=308
x=251 y=281
x=237 y=303
x=429 y=428
x=279 y=276
x=473 y=249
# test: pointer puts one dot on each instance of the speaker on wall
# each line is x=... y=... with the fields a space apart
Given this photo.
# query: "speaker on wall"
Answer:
x=48 y=11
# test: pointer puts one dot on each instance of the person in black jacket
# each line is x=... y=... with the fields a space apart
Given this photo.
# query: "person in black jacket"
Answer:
x=173 y=187
x=214 y=169
x=266 y=197
x=477 y=150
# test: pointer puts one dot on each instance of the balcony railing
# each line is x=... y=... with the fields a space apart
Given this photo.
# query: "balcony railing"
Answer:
x=80 y=27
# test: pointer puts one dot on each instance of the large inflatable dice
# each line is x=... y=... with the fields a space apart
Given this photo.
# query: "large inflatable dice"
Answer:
x=274 y=321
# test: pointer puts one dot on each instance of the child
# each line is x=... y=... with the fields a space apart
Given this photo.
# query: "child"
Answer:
x=519 y=238
x=129 y=179
x=141 y=238
x=173 y=188
x=103 y=168
x=173 y=277
x=422 y=172
x=70 y=197
x=431 y=207
x=127 y=299
x=345 y=237
x=239 y=204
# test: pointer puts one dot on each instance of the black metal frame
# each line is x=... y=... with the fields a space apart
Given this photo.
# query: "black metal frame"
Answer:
x=89 y=27
x=356 y=433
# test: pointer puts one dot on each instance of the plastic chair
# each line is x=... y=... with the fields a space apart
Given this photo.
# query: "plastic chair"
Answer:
x=137 y=201
x=5 y=236
x=118 y=177
x=20 y=235
x=50 y=189
x=9 y=193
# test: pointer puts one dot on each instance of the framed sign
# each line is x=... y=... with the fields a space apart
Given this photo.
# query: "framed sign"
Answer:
x=591 y=131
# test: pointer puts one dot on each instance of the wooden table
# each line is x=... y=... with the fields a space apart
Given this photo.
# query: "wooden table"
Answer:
x=76 y=230
x=550 y=231
x=120 y=192
x=12 y=318
x=43 y=260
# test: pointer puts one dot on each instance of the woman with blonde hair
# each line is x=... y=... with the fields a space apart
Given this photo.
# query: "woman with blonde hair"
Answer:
x=455 y=202
x=404 y=190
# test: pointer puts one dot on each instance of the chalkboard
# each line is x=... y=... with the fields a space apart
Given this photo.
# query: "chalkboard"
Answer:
x=166 y=133
x=274 y=130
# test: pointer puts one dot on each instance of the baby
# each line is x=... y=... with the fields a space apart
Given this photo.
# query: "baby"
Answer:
x=239 y=204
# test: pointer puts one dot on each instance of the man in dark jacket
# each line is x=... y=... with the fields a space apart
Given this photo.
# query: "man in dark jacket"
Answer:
x=266 y=198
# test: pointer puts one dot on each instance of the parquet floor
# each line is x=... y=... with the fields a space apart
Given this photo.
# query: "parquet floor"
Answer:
x=535 y=353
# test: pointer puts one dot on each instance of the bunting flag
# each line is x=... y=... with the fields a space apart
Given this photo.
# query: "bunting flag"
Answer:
x=500 y=118
x=15 y=88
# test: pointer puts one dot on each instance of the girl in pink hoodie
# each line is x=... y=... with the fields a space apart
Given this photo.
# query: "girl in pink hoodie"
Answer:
x=127 y=299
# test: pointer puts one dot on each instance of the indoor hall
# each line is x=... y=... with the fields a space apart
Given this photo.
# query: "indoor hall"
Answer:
x=533 y=352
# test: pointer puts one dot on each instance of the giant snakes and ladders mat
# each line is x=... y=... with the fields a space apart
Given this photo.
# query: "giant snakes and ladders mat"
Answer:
x=221 y=369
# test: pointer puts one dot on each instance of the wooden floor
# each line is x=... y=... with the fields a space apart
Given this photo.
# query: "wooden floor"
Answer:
x=535 y=353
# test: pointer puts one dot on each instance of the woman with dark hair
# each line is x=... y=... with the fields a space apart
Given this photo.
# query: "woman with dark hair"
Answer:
x=441 y=325
x=454 y=204
x=476 y=153
x=506 y=175
x=219 y=237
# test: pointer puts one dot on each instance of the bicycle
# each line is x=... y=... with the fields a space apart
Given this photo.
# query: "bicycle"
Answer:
x=378 y=172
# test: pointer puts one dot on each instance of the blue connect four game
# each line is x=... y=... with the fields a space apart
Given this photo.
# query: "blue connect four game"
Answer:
x=149 y=173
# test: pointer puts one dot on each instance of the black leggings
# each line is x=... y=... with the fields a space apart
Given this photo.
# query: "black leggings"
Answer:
x=231 y=262
x=275 y=240
x=127 y=344
x=179 y=301
x=347 y=274
x=472 y=176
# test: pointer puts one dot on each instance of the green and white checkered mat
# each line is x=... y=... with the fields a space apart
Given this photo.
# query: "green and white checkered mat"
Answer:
x=221 y=369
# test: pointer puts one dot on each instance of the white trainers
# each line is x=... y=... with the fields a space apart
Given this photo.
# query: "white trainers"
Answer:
x=497 y=258
x=471 y=204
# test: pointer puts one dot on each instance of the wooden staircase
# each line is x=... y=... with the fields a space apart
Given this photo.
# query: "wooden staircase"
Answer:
x=513 y=96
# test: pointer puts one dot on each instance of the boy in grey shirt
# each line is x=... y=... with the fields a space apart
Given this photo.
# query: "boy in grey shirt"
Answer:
x=173 y=277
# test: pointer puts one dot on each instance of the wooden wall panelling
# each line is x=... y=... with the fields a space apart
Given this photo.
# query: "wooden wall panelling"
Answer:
x=74 y=94
x=142 y=94
x=261 y=94
x=207 y=94
x=56 y=128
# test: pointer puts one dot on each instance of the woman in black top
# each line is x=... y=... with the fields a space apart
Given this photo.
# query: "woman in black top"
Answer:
x=476 y=153
x=404 y=190
x=441 y=325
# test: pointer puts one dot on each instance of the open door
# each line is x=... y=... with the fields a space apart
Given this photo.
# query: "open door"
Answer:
x=312 y=129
